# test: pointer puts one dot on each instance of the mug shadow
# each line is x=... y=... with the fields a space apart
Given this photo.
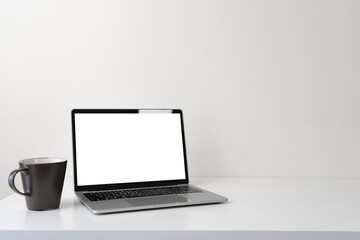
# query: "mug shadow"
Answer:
x=69 y=203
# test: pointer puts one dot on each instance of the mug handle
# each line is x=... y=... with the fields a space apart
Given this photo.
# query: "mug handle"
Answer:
x=12 y=181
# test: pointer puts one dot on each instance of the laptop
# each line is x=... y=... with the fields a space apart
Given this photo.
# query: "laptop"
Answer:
x=132 y=159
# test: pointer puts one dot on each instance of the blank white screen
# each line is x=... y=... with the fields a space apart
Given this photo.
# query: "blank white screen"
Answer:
x=122 y=148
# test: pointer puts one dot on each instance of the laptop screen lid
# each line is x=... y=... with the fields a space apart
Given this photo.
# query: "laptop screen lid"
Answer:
x=128 y=148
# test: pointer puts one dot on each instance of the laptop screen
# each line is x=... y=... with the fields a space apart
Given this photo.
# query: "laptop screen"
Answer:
x=128 y=146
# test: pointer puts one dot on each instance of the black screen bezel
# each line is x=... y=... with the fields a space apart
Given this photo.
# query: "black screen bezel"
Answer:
x=125 y=185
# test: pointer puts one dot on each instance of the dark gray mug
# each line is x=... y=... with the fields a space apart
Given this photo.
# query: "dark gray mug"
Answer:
x=43 y=180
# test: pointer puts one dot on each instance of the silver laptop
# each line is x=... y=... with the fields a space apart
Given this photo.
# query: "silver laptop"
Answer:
x=132 y=159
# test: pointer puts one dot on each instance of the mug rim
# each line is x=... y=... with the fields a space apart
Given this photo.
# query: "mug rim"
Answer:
x=42 y=160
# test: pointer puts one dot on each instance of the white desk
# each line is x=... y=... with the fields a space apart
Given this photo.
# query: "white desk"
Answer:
x=258 y=208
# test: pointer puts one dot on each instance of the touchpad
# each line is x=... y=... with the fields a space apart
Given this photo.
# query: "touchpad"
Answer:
x=157 y=200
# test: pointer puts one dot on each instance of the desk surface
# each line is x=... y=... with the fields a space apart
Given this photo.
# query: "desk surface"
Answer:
x=255 y=204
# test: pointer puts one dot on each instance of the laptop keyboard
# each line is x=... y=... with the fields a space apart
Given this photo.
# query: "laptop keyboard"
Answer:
x=139 y=192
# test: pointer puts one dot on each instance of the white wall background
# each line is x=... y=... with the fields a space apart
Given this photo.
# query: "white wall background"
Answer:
x=268 y=87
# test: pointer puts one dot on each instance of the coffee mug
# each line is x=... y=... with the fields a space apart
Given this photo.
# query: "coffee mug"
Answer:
x=43 y=180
